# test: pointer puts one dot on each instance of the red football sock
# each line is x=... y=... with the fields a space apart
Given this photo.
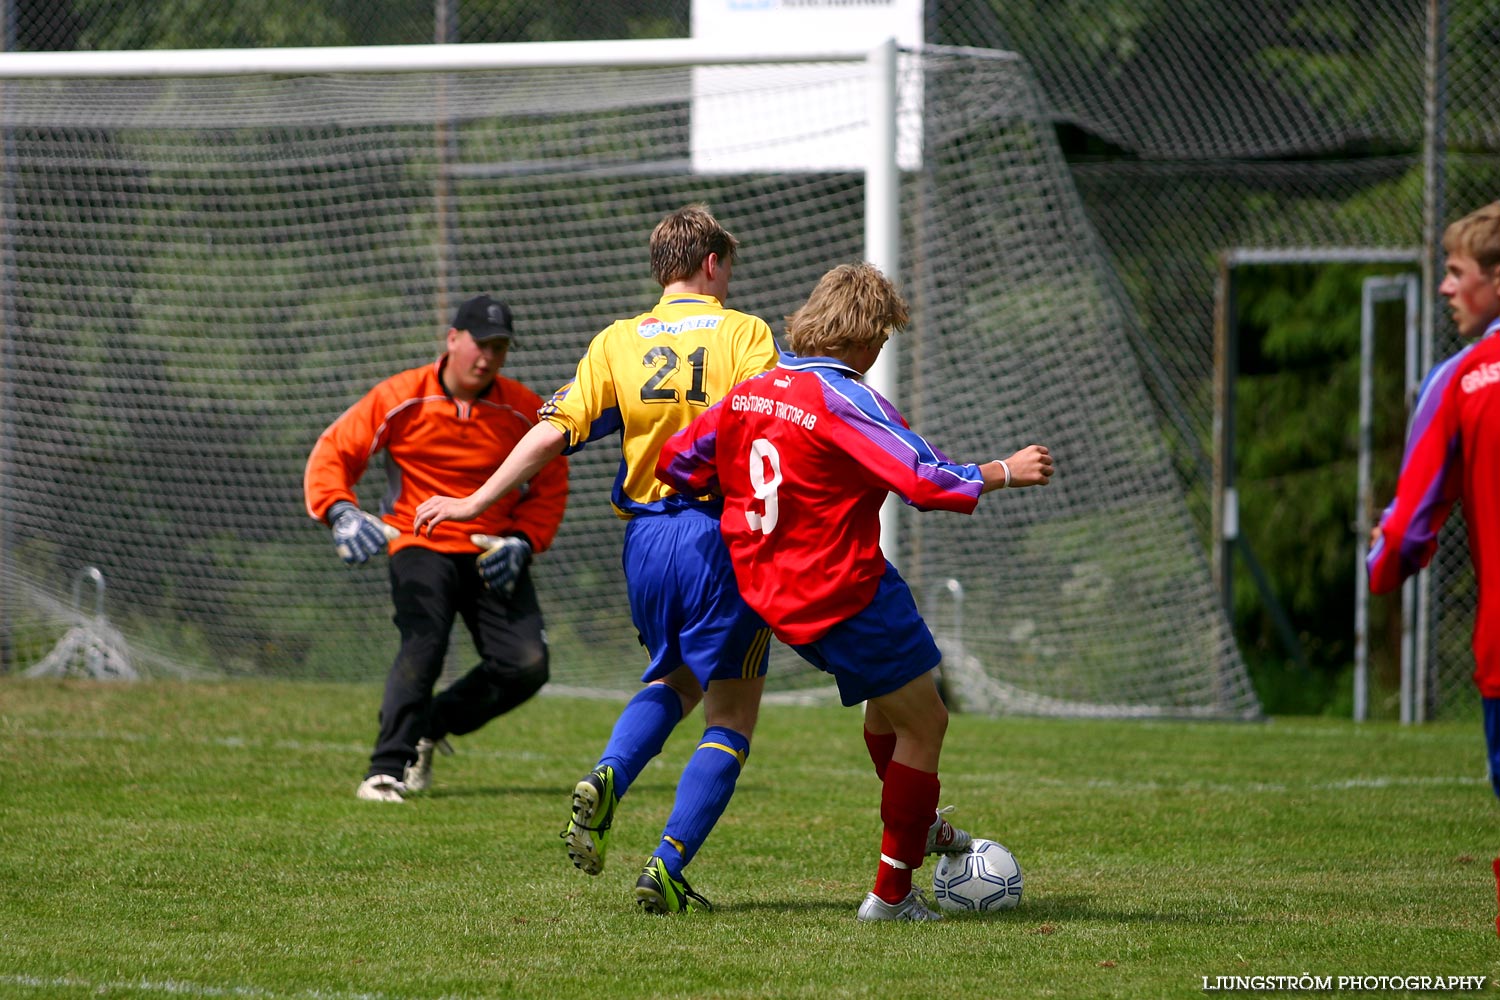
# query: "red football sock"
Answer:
x=907 y=805
x=1497 y=892
x=882 y=746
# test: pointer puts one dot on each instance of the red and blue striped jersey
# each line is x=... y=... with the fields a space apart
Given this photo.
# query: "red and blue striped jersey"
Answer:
x=1452 y=453
x=804 y=456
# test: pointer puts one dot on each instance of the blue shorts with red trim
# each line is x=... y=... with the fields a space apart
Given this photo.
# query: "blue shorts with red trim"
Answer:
x=882 y=649
x=684 y=601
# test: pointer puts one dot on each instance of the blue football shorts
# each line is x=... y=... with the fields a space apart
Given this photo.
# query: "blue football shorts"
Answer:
x=684 y=601
x=1492 y=739
x=881 y=649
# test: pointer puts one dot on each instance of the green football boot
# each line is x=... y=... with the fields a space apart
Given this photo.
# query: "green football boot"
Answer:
x=594 y=802
x=656 y=891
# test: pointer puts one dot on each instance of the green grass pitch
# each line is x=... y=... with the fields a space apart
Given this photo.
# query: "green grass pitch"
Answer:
x=203 y=840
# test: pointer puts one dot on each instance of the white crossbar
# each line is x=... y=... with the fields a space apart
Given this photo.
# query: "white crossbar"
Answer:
x=628 y=53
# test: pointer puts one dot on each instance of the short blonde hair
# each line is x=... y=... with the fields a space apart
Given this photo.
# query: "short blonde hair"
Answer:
x=1476 y=235
x=682 y=241
x=853 y=306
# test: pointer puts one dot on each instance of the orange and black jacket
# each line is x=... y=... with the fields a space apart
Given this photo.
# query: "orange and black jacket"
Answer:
x=437 y=445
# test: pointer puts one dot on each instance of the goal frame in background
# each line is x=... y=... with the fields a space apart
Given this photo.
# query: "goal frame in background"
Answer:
x=1224 y=505
x=1127 y=626
x=882 y=171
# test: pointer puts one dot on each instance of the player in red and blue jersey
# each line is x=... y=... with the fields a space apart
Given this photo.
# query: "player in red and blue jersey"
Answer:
x=804 y=457
x=1453 y=453
x=647 y=377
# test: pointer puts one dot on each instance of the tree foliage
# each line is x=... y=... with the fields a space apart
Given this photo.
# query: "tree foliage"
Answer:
x=1297 y=428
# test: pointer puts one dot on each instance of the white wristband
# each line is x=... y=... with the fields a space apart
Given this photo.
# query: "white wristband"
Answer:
x=1006 y=467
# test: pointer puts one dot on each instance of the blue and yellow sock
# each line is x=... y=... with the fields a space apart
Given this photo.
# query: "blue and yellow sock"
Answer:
x=703 y=792
x=640 y=732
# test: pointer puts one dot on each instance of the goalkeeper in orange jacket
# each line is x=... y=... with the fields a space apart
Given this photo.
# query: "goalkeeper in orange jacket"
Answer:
x=444 y=427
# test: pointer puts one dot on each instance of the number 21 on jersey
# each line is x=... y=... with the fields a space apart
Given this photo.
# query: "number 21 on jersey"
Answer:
x=763 y=454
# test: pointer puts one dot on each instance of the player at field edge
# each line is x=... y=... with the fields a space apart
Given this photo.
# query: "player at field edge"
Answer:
x=647 y=377
x=1453 y=453
x=442 y=427
x=804 y=456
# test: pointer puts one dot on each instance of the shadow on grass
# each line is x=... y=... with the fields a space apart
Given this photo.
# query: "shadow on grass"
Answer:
x=1057 y=908
x=563 y=791
x=1049 y=908
x=1035 y=916
x=493 y=792
x=787 y=906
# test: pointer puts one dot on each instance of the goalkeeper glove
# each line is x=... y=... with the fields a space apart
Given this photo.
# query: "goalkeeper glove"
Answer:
x=501 y=562
x=357 y=535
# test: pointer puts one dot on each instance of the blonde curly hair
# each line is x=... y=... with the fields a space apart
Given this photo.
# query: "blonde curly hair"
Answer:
x=853 y=306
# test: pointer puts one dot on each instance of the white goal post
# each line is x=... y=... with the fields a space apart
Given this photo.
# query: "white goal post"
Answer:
x=467 y=57
x=882 y=175
x=882 y=225
x=207 y=256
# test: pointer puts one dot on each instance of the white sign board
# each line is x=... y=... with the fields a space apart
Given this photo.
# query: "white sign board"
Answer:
x=800 y=117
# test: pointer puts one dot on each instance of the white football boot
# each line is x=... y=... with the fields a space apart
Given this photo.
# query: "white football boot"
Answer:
x=913 y=907
x=945 y=838
x=380 y=788
x=418 y=775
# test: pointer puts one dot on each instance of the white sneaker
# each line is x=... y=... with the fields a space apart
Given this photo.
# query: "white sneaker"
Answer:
x=945 y=838
x=913 y=907
x=380 y=788
x=417 y=777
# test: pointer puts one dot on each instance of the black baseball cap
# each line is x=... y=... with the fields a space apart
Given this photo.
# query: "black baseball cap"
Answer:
x=485 y=318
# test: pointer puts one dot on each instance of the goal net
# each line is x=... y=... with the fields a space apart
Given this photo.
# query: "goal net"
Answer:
x=199 y=273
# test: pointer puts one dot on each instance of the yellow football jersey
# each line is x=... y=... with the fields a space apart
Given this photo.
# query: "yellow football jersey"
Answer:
x=648 y=377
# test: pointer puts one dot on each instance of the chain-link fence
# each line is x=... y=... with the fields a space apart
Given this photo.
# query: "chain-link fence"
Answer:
x=1192 y=127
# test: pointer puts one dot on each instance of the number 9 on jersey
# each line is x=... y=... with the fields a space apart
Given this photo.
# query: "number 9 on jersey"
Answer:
x=762 y=454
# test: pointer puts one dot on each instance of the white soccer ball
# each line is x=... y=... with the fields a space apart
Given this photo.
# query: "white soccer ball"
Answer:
x=985 y=877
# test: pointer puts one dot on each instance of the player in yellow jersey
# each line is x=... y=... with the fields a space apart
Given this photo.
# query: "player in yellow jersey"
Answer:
x=648 y=377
